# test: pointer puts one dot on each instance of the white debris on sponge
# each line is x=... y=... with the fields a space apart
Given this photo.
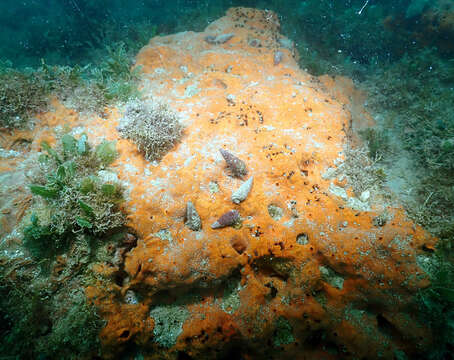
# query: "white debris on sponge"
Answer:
x=131 y=298
x=338 y=191
x=107 y=176
x=7 y=154
x=361 y=204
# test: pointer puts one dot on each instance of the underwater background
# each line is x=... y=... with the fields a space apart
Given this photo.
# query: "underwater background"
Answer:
x=322 y=230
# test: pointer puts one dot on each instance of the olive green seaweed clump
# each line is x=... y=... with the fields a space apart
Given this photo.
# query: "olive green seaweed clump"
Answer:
x=75 y=195
x=154 y=127
x=89 y=88
x=22 y=94
x=44 y=313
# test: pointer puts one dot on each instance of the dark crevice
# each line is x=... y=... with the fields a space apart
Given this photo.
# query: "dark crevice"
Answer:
x=272 y=267
x=193 y=293
x=119 y=277
x=273 y=290
x=234 y=353
x=183 y=356
x=387 y=327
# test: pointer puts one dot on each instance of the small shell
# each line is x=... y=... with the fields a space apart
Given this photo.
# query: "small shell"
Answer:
x=254 y=43
x=365 y=195
x=223 y=38
x=192 y=217
x=236 y=166
x=129 y=239
x=229 y=218
x=278 y=56
x=243 y=191
x=131 y=298
x=219 y=83
x=210 y=39
x=220 y=39
x=119 y=256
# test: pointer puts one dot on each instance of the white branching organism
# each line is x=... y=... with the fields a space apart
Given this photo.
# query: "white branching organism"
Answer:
x=152 y=125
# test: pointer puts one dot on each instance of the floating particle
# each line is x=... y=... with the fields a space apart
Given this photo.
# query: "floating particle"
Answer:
x=243 y=191
x=229 y=218
x=236 y=166
x=286 y=43
x=192 y=217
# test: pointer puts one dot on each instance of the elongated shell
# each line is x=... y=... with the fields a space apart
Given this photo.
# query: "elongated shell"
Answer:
x=192 y=217
x=243 y=191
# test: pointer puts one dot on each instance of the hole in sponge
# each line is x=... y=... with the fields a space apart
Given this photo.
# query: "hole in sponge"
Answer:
x=302 y=239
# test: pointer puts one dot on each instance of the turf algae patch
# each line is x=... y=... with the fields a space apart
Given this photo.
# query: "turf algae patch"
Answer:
x=284 y=332
x=275 y=212
x=231 y=301
x=168 y=323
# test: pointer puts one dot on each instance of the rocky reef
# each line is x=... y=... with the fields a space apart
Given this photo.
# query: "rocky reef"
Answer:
x=321 y=264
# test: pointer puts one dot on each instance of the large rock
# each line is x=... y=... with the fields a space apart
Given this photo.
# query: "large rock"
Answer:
x=312 y=271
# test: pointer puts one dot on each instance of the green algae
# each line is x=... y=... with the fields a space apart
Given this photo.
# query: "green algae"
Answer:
x=69 y=196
